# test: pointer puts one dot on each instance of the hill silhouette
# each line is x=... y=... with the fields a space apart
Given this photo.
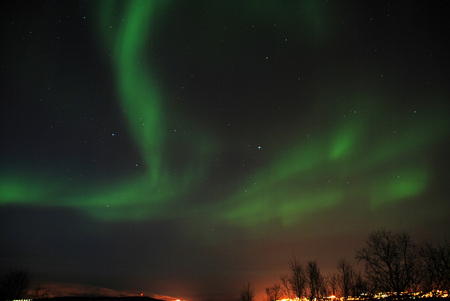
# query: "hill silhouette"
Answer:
x=74 y=291
x=99 y=299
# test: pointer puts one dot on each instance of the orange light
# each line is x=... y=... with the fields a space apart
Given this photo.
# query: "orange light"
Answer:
x=142 y=294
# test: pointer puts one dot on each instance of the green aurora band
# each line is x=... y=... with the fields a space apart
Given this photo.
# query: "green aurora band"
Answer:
x=142 y=105
x=307 y=176
x=315 y=174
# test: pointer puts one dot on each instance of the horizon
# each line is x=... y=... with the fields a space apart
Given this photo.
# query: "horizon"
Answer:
x=184 y=147
x=66 y=290
x=39 y=289
x=72 y=290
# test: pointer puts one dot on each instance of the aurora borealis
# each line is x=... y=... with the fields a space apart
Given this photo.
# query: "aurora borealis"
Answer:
x=182 y=147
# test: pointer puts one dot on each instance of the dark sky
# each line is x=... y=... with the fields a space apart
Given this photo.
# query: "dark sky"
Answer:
x=183 y=147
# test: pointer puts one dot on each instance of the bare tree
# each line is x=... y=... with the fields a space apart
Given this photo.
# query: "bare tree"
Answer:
x=345 y=277
x=315 y=280
x=359 y=284
x=295 y=282
x=274 y=292
x=39 y=291
x=247 y=293
x=286 y=287
x=324 y=288
x=14 y=283
x=390 y=260
x=333 y=284
x=436 y=266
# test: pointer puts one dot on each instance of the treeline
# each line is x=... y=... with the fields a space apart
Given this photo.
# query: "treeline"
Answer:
x=14 y=283
x=392 y=262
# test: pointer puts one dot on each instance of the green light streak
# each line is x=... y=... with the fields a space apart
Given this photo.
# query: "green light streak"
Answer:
x=139 y=197
x=306 y=177
x=19 y=189
x=282 y=204
x=139 y=96
x=313 y=175
x=343 y=142
x=398 y=186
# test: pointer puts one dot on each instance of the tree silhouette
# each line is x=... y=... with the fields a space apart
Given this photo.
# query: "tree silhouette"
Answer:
x=247 y=293
x=393 y=263
x=315 y=280
x=436 y=266
x=390 y=261
x=345 y=277
x=14 y=283
x=286 y=287
x=295 y=283
x=274 y=292
x=359 y=284
x=333 y=284
x=39 y=292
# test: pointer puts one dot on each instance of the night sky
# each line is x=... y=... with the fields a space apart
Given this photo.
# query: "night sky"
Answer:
x=183 y=147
